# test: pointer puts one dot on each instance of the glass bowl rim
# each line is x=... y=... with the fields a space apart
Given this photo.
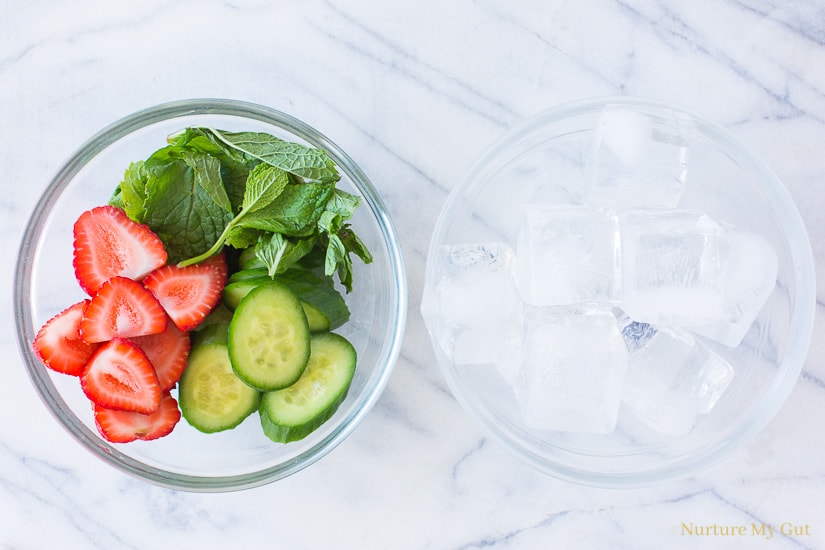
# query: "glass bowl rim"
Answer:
x=804 y=299
x=109 y=135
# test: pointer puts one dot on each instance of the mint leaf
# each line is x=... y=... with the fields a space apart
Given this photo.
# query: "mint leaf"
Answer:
x=180 y=210
x=341 y=242
x=133 y=191
x=338 y=261
x=243 y=237
x=208 y=175
x=279 y=253
x=264 y=184
x=234 y=165
x=306 y=162
x=354 y=244
x=343 y=203
x=294 y=212
x=269 y=250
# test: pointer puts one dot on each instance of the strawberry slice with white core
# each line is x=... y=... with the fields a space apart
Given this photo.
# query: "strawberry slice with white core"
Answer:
x=168 y=352
x=108 y=243
x=124 y=308
x=219 y=261
x=58 y=343
x=125 y=426
x=188 y=293
x=119 y=376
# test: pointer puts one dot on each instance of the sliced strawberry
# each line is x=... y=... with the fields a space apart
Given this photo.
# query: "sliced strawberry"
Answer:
x=188 y=293
x=218 y=260
x=108 y=243
x=58 y=343
x=121 y=307
x=119 y=376
x=125 y=426
x=168 y=352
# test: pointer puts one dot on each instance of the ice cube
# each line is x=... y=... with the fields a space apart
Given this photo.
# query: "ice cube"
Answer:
x=673 y=379
x=637 y=160
x=671 y=267
x=566 y=255
x=636 y=335
x=470 y=301
x=750 y=264
x=573 y=363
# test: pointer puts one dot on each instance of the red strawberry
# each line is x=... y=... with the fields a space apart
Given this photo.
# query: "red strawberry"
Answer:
x=58 y=343
x=119 y=376
x=121 y=307
x=218 y=260
x=108 y=243
x=125 y=426
x=168 y=352
x=188 y=293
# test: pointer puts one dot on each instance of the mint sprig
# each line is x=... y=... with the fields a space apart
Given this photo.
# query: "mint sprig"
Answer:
x=210 y=188
x=263 y=186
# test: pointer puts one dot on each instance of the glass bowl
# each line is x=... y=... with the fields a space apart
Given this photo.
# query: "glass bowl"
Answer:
x=547 y=160
x=187 y=459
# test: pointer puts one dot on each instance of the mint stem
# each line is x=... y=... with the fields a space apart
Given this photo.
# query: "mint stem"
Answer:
x=215 y=247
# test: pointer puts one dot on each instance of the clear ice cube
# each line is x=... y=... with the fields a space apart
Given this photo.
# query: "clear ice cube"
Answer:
x=636 y=335
x=566 y=255
x=750 y=265
x=637 y=160
x=470 y=302
x=572 y=366
x=673 y=379
x=671 y=267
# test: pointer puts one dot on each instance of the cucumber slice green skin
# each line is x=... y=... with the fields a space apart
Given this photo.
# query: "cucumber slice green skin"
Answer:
x=317 y=290
x=249 y=260
x=293 y=413
x=316 y=319
x=233 y=293
x=244 y=274
x=269 y=338
x=309 y=284
x=211 y=397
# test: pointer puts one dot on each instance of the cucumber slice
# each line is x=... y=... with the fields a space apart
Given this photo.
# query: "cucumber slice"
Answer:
x=249 y=260
x=211 y=397
x=316 y=320
x=269 y=337
x=293 y=413
x=315 y=289
x=221 y=315
x=243 y=274
x=233 y=293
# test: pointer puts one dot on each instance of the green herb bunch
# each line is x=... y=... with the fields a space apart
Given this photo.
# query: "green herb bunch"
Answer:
x=209 y=188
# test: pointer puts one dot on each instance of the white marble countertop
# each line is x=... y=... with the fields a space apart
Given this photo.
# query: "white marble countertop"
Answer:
x=413 y=91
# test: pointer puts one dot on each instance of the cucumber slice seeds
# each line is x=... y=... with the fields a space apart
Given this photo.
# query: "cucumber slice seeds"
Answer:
x=211 y=397
x=294 y=412
x=269 y=337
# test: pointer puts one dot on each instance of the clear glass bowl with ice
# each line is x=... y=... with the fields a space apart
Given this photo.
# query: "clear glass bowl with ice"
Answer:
x=620 y=292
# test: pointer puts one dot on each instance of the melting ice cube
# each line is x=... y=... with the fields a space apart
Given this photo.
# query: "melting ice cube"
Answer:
x=673 y=379
x=638 y=160
x=566 y=255
x=573 y=363
x=470 y=301
x=671 y=267
x=750 y=264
